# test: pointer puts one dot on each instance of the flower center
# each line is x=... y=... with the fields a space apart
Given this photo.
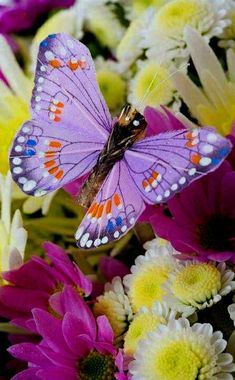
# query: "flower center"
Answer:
x=217 y=234
x=146 y=286
x=172 y=18
x=139 y=329
x=97 y=366
x=177 y=361
x=197 y=282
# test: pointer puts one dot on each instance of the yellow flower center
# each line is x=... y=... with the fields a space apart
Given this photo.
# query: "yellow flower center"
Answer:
x=172 y=18
x=197 y=283
x=176 y=360
x=108 y=81
x=146 y=288
x=138 y=329
x=140 y=5
x=12 y=116
x=153 y=79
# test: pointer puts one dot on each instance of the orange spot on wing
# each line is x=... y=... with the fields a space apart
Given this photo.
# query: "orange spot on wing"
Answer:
x=189 y=144
x=48 y=164
x=100 y=211
x=195 y=158
x=55 y=63
x=155 y=174
x=57 y=111
x=49 y=154
x=117 y=199
x=59 y=175
x=91 y=209
x=73 y=65
x=55 y=144
x=60 y=104
x=95 y=210
x=108 y=207
x=151 y=180
x=53 y=170
x=145 y=183
x=57 y=119
x=189 y=135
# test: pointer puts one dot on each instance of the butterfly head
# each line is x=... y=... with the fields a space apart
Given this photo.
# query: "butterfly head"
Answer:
x=132 y=119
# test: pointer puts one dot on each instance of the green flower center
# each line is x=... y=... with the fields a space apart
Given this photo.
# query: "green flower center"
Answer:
x=197 y=283
x=217 y=234
x=97 y=366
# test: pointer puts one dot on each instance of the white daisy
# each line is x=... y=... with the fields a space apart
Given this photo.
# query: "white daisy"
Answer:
x=152 y=86
x=164 y=38
x=150 y=272
x=145 y=321
x=193 y=286
x=130 y=46
x=115 y=304
x=177 y=351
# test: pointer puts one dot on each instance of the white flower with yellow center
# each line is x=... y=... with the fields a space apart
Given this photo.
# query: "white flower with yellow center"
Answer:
x=130 y=46
x=214 y=103
x=115 y=304
x=150 y=272
x=145 y=322
x=152 y=86
x=177 y=351
x=13 y=236
x=227 y=38
x=165 y=36
x=135 y=8
x=193 y=286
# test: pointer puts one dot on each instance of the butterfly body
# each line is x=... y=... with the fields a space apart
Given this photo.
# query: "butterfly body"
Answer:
x=72 y=135
x=129 y=128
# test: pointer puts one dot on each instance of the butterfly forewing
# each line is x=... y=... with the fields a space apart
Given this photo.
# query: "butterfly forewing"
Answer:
x=113 y=212
x=71 y=122
x=166 y=163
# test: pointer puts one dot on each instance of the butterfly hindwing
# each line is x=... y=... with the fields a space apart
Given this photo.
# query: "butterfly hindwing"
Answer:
x=164 y=164
x=113 y=212
x=70 y=123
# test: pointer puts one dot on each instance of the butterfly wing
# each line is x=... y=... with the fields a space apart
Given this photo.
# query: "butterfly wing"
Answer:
x=113 y=212
x=166 y=163
x=71 y=122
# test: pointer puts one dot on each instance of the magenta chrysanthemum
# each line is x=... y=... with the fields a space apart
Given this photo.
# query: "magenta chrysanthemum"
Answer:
x=202 y=217
x=36 y=284
x=19 y=15
x=74 y=347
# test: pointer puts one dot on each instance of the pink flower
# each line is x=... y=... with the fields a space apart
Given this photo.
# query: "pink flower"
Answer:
x=201 y=219
x=36 y=284
x=73 y=347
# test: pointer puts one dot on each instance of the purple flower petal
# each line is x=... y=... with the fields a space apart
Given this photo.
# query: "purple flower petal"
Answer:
x=57 y=374
x=105 y=332
x=50 y=329
x=72 y=302
x=28 y=352
x=28 y=374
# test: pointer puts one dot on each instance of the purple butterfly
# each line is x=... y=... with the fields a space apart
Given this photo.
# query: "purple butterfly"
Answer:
x=72 y=134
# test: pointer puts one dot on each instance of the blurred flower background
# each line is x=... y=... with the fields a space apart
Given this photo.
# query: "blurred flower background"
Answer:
x=160 y=302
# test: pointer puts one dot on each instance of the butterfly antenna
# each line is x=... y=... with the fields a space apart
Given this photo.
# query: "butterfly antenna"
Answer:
x=149 y=90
